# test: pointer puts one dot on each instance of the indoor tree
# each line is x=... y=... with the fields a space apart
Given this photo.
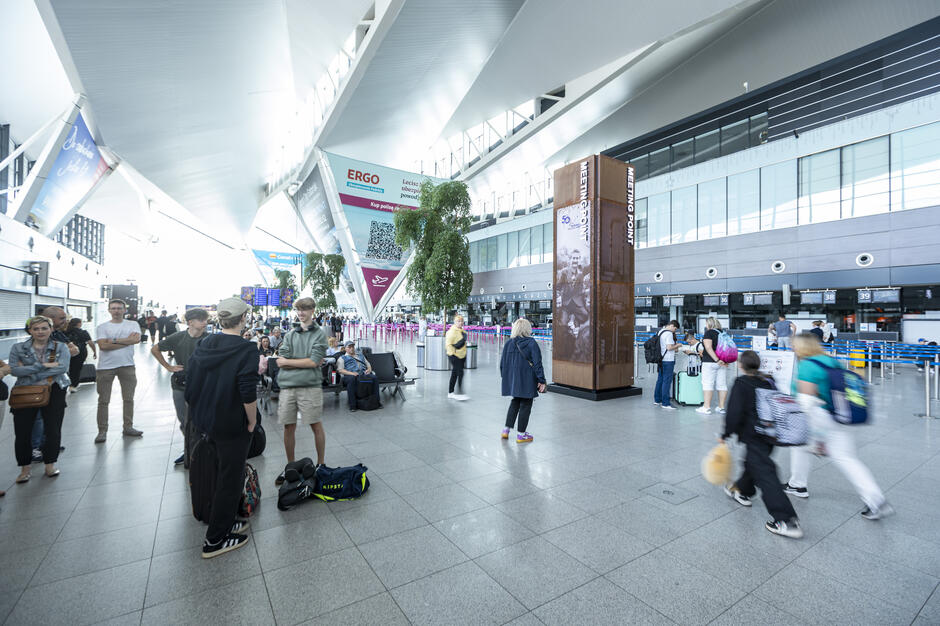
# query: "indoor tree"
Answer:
x=321 y=274
x=437 y=234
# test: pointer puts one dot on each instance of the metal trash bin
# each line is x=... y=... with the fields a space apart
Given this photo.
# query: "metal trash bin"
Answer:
x=420 y=357
x=471 y=363
x=435 y=358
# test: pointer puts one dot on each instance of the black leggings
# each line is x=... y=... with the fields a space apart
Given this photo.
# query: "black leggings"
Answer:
x=75 y=368
x=521 y=407
x=761 y=473
x=456 y=372
x=52 y=415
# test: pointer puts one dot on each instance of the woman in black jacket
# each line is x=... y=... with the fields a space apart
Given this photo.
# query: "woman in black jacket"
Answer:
x=759 y=469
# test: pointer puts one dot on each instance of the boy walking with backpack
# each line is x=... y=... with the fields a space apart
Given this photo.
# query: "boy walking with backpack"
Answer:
x=759 y=469
x=832 y=413
x=661 y=349
x=301 y=354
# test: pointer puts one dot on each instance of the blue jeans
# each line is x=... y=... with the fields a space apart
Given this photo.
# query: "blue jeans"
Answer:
x=38 y=432
x=661 y=395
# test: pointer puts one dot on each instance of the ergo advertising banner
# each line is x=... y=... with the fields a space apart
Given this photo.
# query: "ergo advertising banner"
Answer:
x=370 y=194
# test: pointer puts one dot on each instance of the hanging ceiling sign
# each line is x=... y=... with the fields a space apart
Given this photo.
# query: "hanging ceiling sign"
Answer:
x=76 y=170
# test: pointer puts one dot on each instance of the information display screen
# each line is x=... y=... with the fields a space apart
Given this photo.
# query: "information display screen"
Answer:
x=763 y=298
x=675 y=300
x=811 y=297
x=886 y=295
x=712 y=300
x=864 y=295
x=644 y=302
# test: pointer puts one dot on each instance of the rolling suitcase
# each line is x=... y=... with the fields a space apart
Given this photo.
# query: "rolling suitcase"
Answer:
x=203 y=471
x=190 y=437
x=688 y=389
x=88 y=373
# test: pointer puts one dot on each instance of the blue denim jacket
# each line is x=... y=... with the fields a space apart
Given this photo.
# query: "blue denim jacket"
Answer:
x=29 y=371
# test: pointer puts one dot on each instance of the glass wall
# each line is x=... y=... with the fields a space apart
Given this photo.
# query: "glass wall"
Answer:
x=819 y=188
x=865 y=178
x=684 y=219
x=514 y=249
x=744 y=203
x=915 y=168
x=712 y=209
x=894 y=172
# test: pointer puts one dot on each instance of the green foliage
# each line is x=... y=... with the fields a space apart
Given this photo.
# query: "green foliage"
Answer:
x=285 y=280
x=440 y=273
x=321 y=274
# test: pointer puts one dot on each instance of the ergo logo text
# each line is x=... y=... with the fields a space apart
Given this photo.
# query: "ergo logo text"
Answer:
x=363 y=177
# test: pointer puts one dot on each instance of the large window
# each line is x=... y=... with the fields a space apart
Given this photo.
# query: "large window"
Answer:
x=492 y=255
x=707 y=146
x=524 y=247
x=712 y=209
x=640 y=215
x=659 y=162
x=684 y=218
x=659 y=214
x=535 y=243
x=501 y=262
x=512 y=249
x=865 y=180
x=778 y=196
x=915 y=168
x=819 y=188
x=548 y=243
x=474 y=256
x=734 y=137
x=683 y=154
x=744 y=203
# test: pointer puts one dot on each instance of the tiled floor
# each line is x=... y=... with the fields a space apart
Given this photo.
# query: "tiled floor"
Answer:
x=604 y=519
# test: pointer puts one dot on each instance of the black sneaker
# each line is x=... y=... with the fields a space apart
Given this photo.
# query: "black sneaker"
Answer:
x=231 y=542
x=279 y=480
x=240 y=527
x=799 y=492
x=876 y=514
x=179 y=460
x=789 y=529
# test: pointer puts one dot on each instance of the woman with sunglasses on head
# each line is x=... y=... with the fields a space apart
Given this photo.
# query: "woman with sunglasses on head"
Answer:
x=39 y=361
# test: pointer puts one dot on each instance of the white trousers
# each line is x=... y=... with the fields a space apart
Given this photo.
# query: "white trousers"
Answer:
x=840 y=447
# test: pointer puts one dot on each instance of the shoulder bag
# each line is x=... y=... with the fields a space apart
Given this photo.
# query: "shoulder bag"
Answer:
x=32 y=396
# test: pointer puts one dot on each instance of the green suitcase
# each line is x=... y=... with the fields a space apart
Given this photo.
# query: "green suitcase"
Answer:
x=688 y=389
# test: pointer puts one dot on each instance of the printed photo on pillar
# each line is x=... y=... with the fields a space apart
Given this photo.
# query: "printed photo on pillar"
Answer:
x=572 y=322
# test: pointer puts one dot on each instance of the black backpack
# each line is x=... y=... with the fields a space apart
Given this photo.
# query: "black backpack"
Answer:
x=651 y=349
x=258 y=439
x=341 y=483
x=366 y=399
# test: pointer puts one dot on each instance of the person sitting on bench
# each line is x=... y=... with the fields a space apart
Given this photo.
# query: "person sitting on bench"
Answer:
x=355 y=368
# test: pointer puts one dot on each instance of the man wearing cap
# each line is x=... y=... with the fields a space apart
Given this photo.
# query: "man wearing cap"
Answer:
x=355 y=369
x=221 y=391
x=299 y=358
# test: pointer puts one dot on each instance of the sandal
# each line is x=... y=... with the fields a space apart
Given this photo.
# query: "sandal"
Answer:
x=22 y=478
x=53 y=474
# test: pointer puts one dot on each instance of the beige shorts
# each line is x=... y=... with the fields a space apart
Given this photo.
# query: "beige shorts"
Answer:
x=307 y=400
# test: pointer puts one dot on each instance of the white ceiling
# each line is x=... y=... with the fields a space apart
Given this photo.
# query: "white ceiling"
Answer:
x=426 y=62
x=186 y=92
x=34 y=84
x=552 y=42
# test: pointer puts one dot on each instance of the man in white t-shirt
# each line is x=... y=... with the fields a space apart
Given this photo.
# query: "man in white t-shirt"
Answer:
x=668 y=345
x=117 y=339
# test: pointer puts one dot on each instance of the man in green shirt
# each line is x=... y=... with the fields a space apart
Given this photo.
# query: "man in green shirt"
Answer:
x=300 y=356
x=182 y=344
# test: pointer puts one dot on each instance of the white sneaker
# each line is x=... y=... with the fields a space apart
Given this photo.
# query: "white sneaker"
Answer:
x=720 y=411
x=704 y=410
x=461 y=397
x=452 y=396
x=669 y=408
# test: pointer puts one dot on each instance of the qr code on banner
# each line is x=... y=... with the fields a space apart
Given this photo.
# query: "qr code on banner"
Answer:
x=382 y=242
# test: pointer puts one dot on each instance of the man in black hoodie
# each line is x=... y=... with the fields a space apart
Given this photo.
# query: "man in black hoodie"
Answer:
x=759 y=469
x=221 y=389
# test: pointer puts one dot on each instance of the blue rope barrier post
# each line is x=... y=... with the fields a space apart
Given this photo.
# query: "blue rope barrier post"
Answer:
x=926 y=414
x=936 y=377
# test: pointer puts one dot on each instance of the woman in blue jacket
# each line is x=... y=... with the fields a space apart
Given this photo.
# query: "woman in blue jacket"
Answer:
x=39 y=361
x=523 y=378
